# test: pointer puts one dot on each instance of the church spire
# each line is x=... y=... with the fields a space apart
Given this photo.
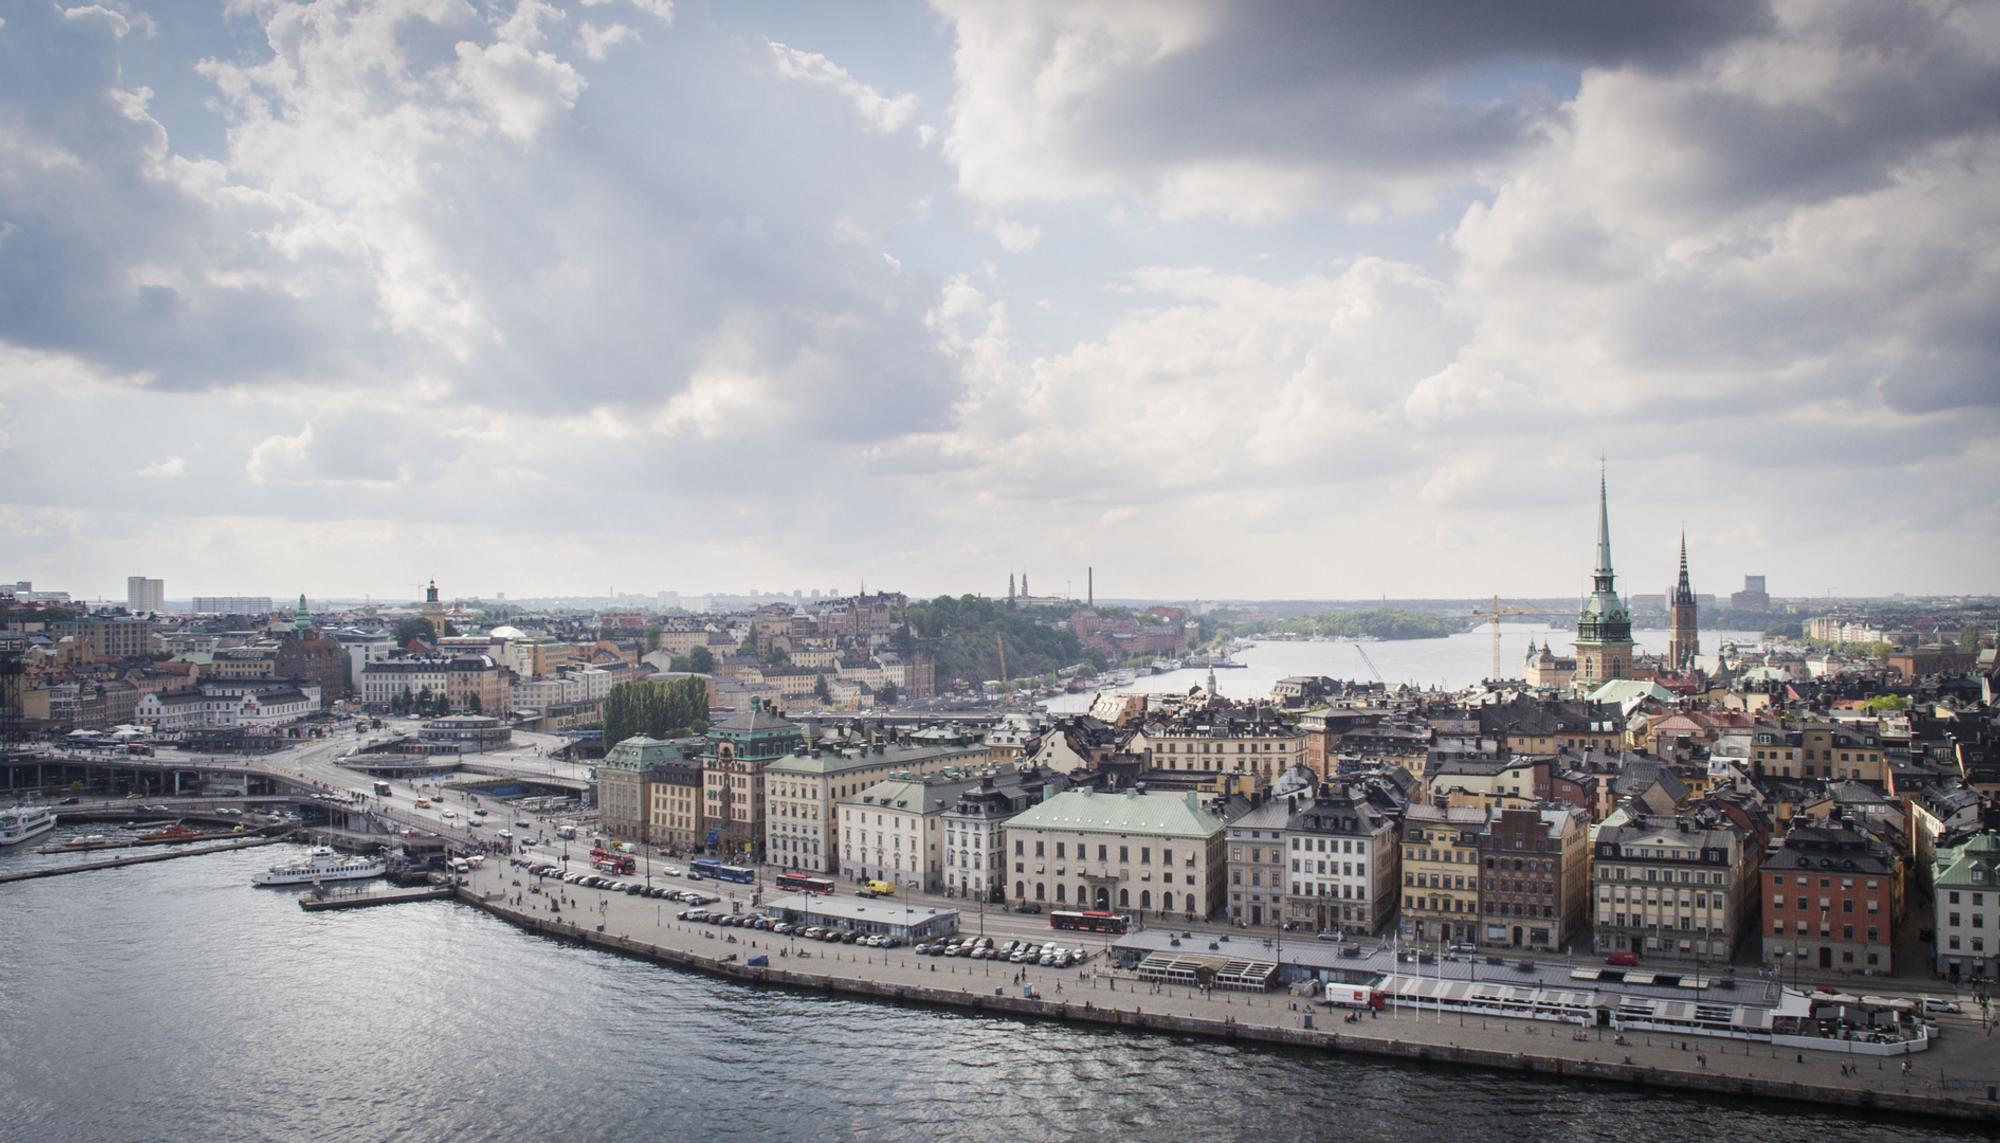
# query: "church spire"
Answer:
x=1683 y=590
x=1603 y=529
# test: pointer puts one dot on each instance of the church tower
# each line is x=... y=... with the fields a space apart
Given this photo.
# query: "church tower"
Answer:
x=1683 y=644
x=432 y=611
x=1604 y=629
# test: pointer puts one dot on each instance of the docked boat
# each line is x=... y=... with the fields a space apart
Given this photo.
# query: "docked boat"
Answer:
x=175 y=832
x=23 y=822
x=322 y=864
x=90 y=841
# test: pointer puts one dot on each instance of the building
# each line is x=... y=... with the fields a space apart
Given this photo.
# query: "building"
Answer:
x=1153 y=854
x=1223 y=738
x=111 y=636
x=1326 y=860
x=386 y=680
x=259 y=706
x=738 y=750
x=1545 y=669
x=251 y=605
x=675 y=820
x=1966 y=886
x=464 y=734
x=1604 y=628
x=1753 y=597
x=477 y=684
x=975 y=842
x=145 y=596
x=1684 y=642
x=1441 y=873
x=1534 y=868
x=1832 y=895
x=894 y=830
x=802 y=791
x=1672 y=887
x=624 y=796
x=432 y=611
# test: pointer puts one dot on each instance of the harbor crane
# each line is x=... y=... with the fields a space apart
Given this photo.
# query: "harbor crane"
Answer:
x=1494 y=613
x=1373 y=669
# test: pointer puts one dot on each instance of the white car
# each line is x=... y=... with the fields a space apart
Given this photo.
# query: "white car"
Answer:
x=449 y=813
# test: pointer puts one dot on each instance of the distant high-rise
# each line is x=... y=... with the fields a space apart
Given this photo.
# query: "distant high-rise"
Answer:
x=1753 y=597
x=1604 y=629
x=1684 y=641
x=142 y=594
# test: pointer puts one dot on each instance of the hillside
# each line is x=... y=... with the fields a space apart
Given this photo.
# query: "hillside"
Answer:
x=959 y=634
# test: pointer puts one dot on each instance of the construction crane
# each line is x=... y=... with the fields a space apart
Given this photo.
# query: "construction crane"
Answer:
x=1002 y=645
x=1494 y=613
x=1373 y=669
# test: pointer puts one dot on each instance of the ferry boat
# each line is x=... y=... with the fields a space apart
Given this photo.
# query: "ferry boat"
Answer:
x=23 y=822
x=322 y=864
x=90 y=841
x=175 y=832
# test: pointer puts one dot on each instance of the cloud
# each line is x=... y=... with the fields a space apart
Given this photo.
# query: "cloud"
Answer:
x=1255 y=112
x=885 y=114
x=172 y=468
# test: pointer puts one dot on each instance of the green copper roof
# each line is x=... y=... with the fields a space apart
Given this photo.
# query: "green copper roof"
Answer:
x=1087 y=811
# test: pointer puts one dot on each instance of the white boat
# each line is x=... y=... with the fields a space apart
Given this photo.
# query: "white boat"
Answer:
x=23 y=822
x=322 y=864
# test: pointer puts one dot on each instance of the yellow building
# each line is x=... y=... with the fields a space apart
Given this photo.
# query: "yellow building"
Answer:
x=1441 y=873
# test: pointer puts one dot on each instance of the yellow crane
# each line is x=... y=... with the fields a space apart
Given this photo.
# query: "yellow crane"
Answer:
x=1494 y=613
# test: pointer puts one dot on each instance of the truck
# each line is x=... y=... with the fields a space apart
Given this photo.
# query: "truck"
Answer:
x=611 y=862
x=1352 y=996
x=382 y=789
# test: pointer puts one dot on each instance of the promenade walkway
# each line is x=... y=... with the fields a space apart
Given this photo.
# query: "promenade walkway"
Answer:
x=1952 y=1078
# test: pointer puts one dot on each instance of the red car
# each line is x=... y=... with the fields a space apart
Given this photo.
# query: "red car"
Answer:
x=1625 y=959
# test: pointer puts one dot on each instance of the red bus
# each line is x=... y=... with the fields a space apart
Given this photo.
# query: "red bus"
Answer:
x=1093 y=921
x=800 y=883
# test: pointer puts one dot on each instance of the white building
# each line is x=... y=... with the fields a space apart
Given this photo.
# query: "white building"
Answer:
x=383 y=680
x=144 y=595
x=894 y=830
x=1157 y=854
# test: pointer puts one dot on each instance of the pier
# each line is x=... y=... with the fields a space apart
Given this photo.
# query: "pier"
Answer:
x=136 y=859
x=1956 y=1080
x=368 y=898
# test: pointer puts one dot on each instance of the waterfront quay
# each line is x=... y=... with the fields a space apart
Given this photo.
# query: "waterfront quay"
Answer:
x=1957 y=1078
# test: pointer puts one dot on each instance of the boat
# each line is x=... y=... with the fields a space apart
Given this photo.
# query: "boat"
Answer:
x=91 y=841
x=322 y=864
x=23 y=822
x=175 y=832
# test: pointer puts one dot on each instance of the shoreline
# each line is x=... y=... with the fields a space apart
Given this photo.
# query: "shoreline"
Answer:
x=1384 y=1040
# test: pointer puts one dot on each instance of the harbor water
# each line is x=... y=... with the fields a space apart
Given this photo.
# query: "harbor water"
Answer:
x=175 y=1001
x=1449 y=663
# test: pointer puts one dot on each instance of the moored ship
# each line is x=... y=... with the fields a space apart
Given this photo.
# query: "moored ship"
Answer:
x=322 y=864
x=23 y=822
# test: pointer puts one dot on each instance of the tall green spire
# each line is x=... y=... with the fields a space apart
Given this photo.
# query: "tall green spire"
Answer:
x=302 y=619
x=1603 y=531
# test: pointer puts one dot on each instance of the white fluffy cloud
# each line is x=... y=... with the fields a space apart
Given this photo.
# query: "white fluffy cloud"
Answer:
x=1255 y=299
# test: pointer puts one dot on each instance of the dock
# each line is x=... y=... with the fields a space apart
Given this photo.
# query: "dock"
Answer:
x=136 y=859
x=364 y=898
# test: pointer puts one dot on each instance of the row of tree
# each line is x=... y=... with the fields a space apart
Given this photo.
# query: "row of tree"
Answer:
x=668 y=708
x=427 y=703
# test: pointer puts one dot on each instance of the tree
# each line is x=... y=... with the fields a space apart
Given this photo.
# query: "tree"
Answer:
x=672 y=708
x=1968 y=638
x=680 y=663
x=820 y=690
x=412 y=628
x=652 y=637
x=473 y=704
x=701 y=660
x=887 y=694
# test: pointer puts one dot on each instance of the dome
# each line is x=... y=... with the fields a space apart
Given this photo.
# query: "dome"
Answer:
x=507 y=632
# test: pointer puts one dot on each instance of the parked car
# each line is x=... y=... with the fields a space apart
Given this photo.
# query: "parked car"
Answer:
x=1027 y=907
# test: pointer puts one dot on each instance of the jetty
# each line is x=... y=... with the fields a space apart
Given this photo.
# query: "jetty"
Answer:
x=1959 y=1079
x=136 y=859
x=369 y=898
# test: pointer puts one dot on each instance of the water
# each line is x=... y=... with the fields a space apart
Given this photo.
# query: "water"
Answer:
x=174 y=1001
x=1449 y=663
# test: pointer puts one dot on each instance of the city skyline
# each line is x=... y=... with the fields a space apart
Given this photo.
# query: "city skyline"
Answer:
x=1225 y=301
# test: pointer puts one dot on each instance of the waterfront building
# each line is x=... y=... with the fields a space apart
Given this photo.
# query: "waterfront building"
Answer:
x=1441 y=872
x=1833 y=895
x=1325 y=860
x=894 y=829
x=1157 y=854
x=1672 y=887
x=738 y=750
x=1534 y=877
x=801 y=824
x=1965 y=883
x=975 y=829
x=1604 y=628
x=1685 y=641
x=674 y=820
x=624 y=796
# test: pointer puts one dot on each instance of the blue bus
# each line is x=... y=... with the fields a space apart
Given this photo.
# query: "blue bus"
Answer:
x=708 y=867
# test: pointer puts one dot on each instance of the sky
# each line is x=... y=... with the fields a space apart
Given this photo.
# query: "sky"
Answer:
x=1252 y=300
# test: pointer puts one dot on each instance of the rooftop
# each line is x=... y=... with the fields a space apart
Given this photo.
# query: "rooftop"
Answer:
x=1159 y=815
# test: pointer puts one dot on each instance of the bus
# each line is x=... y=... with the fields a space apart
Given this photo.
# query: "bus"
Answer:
x=1091 y=922
x=800 y=883
x=381 y=789
x=709 y=867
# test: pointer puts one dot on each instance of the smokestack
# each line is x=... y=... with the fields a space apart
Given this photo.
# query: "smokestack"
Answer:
x=1090 y=587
